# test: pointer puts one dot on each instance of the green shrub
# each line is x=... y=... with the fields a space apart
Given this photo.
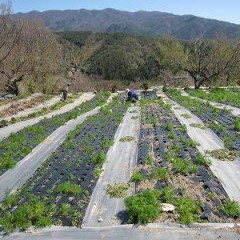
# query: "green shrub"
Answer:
x=69 y=188
x=144 y=207
x=137 y=177
x=32 y=213
x=231 y=208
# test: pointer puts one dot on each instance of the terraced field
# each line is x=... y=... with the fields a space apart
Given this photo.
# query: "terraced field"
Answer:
x=170 y=171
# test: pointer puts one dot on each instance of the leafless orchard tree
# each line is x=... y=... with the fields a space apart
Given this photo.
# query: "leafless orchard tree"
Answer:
x=27 y=48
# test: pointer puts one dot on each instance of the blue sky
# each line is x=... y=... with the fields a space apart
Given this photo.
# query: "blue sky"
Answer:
x=226 y=10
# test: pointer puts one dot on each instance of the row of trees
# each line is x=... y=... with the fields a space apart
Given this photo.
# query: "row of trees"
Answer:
x=206 y=61
x=125 y=57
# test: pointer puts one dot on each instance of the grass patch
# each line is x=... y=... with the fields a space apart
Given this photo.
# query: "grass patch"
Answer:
x=198 y=125
x=117 y=190
x=223 y=154
x=143 y=207
x=127 y=139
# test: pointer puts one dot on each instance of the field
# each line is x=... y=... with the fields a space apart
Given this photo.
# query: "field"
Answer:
x=186 y=158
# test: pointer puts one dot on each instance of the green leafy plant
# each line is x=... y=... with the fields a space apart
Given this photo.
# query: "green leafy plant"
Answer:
x=169 y=195
x=201 y=160
x=69 y=188
x=183 y=166
x=160 y=173
x=143 y=207
x=34 y=212
x=137 y=177
x=149 y=160
x=236 y=124
x=231 y=208
x=188 y=209
x=97 y=171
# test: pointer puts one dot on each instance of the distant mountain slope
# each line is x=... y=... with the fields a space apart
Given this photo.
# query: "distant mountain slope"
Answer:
x=142 y=23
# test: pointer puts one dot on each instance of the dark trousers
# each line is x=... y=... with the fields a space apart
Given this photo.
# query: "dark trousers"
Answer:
x=64 y=95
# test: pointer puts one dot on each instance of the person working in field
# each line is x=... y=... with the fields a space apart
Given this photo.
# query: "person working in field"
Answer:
x=65 y=92
x=131 y=95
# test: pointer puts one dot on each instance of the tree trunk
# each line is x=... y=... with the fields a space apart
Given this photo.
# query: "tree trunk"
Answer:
x=12 y=85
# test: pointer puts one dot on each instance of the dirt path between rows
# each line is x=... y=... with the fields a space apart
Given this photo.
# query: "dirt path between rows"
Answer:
x=4 y=106
x=6 y=131
x=31 y=110
x=234 y=111
x=228 y=172
x=121 y=159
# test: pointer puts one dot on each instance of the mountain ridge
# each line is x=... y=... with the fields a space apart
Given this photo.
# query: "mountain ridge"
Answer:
x=148 y=23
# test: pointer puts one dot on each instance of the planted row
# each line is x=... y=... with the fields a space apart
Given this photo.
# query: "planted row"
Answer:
x=220 y=95
x=221 y=121
x=60 y=189
x=18 y=145
x=171 y=170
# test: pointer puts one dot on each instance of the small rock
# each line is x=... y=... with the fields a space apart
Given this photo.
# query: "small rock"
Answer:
x=167 y=207
x=100 y=219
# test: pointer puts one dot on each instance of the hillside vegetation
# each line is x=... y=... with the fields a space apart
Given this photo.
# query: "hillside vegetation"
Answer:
x=33 y=58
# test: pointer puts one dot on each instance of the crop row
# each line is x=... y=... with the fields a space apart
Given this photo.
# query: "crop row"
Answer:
x=219 y=95
x=18 y=145
x=221 y=121
x=171 y=170
x=60 y=189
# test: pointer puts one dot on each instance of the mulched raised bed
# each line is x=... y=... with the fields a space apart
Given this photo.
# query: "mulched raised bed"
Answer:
x=162 y=141
x=76 y=162
x=18 y=145
x=219 y=120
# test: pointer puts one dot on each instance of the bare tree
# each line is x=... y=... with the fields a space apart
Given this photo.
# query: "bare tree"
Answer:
x=209 y=61
x=9 y=31
x=35 y=51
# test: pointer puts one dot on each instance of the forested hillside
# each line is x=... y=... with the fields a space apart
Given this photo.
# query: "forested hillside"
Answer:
x=124 y=57
x=33 y=58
